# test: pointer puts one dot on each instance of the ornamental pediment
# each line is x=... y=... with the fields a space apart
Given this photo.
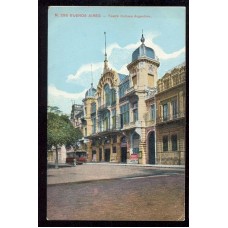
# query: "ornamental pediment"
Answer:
x=110 y=78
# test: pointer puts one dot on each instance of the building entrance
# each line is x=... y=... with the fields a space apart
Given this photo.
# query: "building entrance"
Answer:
x=107 y=155
x=100 y=154
x=151 y=148
x=124 y=154
x=94 y=158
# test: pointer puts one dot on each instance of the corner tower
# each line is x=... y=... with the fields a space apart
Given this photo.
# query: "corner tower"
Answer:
x=143 y=67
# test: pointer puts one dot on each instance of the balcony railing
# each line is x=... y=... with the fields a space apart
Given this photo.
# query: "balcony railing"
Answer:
x=150 y=123
x=102 y=107
x=170 y=117
x=132 y=125
x=151 y=93
x=131 y=89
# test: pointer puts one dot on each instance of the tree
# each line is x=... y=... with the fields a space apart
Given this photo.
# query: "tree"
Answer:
x=60 y=131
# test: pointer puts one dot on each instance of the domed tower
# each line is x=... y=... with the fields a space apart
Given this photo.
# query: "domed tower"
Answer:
x=143 y=67
x=88 y=100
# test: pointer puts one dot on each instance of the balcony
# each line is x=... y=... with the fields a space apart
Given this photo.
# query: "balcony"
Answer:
x=102 y=108
x=149 y=123
x=151 y=93
x=132 y=125
x=130 y=90
x=170 y=118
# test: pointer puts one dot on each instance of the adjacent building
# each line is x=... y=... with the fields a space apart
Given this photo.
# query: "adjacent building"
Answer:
x=136 y=117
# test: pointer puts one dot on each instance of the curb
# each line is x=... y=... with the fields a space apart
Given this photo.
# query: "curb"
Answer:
x=137 y=165
x=106 y=179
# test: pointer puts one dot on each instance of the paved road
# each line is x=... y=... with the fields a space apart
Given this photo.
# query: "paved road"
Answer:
x=102 y=171
x=156 y=196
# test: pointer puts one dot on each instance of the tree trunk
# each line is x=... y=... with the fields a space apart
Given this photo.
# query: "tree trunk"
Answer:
x=56 y=157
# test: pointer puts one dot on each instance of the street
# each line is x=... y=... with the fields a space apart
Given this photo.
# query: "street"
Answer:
x=148 y=194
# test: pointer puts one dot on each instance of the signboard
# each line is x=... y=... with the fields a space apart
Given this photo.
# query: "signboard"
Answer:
x=134 y=158
x=123 y=144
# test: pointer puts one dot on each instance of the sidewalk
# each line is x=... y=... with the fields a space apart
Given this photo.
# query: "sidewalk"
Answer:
x=105 y=171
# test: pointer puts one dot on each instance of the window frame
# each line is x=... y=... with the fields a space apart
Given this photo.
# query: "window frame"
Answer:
x=165 y=143
x=174 y=136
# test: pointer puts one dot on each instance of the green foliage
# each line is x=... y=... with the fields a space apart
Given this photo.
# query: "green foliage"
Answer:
x=54 y=109
x=60 y=130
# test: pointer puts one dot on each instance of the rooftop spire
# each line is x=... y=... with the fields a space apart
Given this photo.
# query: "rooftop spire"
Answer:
x=106 y=60
x=91 y=76
x=142 y=38
x=105 y=46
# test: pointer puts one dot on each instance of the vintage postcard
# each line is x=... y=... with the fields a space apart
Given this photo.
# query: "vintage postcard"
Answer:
x=116 y=118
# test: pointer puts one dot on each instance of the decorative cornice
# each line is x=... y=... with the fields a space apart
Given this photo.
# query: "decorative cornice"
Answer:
x=149 y=60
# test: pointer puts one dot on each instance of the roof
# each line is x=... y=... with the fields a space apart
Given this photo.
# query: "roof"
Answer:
x=143 y=51
x=176 y=67
x=91 y=91
x=122 y=77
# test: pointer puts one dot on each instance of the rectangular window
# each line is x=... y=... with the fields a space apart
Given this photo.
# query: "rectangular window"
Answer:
x=94 y=125
x=135 y=111
x=113 y=118
x=93 y=107
x=165 y=143
x=174 y=107
x=99 y=123
x=121 y=120
x=106 y=124
x=99 y=101
x=114 y=122
x=123 y=87
x=165 y=112
x=114 y=150
x=134 y=80
x=114 y=139
x=113 y=97
x=174 y=142
x=124 y=109
x=152 y=112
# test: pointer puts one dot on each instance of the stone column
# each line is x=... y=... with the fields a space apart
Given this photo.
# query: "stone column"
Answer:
x=181 y=104
x=89 y=150
x=102 y=147
x=170 y=110
x=142 y=148
x=161 y=113
x=118 y=149
x=111 y=152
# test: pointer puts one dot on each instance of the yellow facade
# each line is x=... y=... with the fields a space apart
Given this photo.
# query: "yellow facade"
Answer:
x=171 y=119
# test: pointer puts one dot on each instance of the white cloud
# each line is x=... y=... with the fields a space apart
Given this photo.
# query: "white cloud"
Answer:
x=85 y=69
x=118 y=58
x=52 y=90
x=63 y=99
x=122 y=70
x=110 y=48
x=159 y=51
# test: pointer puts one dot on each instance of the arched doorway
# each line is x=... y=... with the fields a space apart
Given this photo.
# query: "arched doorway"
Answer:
x=151 y=147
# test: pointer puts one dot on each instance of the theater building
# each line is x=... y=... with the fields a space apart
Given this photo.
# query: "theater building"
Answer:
x=119 y=117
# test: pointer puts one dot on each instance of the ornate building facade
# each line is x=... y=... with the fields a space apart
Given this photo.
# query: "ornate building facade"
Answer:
x=132 y=118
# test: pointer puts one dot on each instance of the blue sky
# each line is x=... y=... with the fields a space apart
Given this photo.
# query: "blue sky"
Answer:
x=76 y=40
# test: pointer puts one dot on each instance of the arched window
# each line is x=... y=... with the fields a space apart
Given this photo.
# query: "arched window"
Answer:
x=107 y=95
x=113 y=97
